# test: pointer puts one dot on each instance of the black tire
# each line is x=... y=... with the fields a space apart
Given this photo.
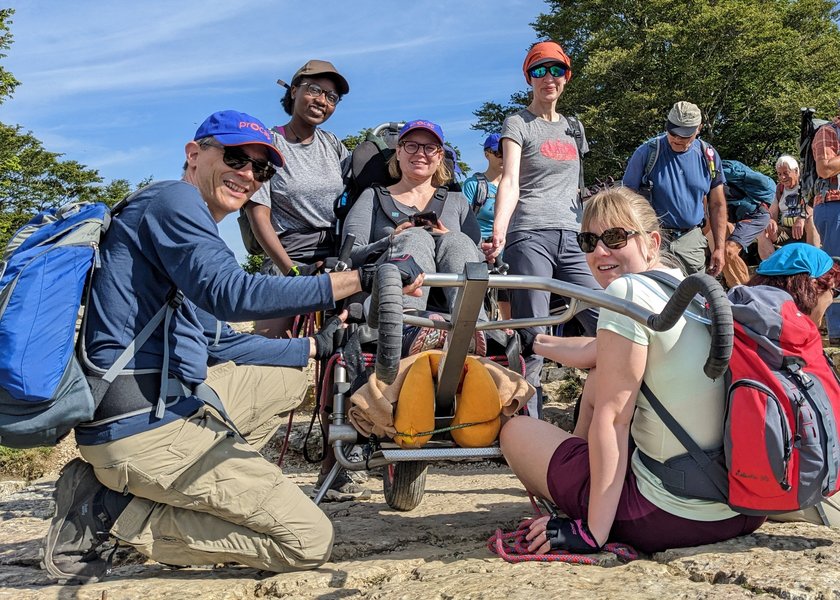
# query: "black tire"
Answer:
x=404 y=484
x=386 y=315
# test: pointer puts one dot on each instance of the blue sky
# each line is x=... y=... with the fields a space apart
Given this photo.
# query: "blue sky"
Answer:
x=122 y=86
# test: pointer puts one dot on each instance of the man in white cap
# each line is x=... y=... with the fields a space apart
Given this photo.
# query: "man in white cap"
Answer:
x=676 y=177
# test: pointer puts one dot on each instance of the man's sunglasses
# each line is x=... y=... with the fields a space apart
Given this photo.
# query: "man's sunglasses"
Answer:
x=613 y=238
x=555 y=71
x=313 y=90
x=236 y=158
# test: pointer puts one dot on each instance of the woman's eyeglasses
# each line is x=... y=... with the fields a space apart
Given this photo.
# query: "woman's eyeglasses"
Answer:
x=428 y=149
x=541 y=71
x=313 y=90
x=613 y=238
x=835 y=293
x=236 y=158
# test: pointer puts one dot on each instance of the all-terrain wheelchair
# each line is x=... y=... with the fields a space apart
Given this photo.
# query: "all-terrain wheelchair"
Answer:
x=404 y=470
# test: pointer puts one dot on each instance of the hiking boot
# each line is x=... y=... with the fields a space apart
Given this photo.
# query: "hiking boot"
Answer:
x=343 y=488
x=85 y=511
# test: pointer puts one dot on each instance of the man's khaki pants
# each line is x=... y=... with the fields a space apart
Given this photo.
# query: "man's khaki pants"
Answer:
x=203 y=495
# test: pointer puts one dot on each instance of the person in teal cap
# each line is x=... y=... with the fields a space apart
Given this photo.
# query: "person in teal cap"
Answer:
x=808 y=274
x=812 y=278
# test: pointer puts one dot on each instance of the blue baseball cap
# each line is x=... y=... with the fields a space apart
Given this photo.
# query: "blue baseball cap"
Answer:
x=796 y=258
x=492 y=142
x=234 y=128
x=432 y=128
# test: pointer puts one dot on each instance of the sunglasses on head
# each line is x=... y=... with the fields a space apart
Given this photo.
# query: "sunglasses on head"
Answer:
x=236 y=158
x=543 y=70
x=613 y=238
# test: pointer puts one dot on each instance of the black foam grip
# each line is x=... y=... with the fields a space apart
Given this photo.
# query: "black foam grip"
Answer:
x=386 y=315
x=719 y=311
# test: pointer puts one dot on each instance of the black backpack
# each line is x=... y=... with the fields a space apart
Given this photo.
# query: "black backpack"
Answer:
x=369 y=166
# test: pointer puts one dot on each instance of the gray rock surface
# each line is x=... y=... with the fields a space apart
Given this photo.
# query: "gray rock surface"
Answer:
x=438 y=551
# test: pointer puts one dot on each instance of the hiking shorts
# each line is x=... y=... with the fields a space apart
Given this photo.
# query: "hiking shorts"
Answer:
x=747 y=230
x=638 y=522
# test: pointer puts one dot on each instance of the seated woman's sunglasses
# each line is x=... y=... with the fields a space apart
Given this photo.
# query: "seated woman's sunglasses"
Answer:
x=613 y=238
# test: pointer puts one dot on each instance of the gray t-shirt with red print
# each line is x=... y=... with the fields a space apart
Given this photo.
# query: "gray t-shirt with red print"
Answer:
x=548 y=173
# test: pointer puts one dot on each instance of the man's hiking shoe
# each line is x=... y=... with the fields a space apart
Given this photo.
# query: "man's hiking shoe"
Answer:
x=85 y=510
x=343 y=489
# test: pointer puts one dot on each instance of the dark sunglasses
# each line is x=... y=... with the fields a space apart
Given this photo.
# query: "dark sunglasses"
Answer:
x=313 y=90
x=236 y=158
x=542 y=71
x=613 y=238
x=835 y=293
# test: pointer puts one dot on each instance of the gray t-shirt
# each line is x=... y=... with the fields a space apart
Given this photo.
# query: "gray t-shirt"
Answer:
x=548 y=173
x=302 y=194
x=372 y=227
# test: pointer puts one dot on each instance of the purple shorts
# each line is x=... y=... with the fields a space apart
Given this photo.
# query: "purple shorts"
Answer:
x=637 y=521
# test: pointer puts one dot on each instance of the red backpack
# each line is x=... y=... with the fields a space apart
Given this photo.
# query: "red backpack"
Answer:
x=782 y=425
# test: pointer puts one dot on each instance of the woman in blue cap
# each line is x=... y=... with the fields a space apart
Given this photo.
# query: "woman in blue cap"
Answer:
x=419 y=216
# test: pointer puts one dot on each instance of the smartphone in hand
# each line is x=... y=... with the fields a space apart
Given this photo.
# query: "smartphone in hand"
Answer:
x=425 y=219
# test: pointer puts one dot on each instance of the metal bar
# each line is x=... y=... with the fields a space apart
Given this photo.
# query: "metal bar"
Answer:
x=468 y=304
x=586 y=297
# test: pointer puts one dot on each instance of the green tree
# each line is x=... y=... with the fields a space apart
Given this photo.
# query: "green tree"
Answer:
x=748 y=65
x=31 y=177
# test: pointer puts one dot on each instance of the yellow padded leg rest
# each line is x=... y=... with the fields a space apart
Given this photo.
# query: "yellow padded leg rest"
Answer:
x=416 y=406
x=478 y=403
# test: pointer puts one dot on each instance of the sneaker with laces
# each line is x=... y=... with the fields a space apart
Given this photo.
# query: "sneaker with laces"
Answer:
x=343 y=488
x=420 y=339
x=85 y=511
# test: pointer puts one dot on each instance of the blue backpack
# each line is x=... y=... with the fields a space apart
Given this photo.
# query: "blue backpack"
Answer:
x=45 y=271
x=746 y=190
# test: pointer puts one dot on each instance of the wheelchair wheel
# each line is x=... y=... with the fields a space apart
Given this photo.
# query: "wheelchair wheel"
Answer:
x=386 y=315
x=404 y=484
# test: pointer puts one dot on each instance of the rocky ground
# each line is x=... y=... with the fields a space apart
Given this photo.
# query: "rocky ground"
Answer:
x=438 y=550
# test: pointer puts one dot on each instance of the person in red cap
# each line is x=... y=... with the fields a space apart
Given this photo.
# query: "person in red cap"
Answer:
x=170 y=461
x=538 y=206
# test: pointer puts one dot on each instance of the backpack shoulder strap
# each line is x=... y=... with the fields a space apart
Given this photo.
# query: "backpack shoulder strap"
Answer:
x=708 y=157
x=710 y=468
x=482 y=191
x=385 y=201
x=653 y=156
x=576 y=131
x=438 y=200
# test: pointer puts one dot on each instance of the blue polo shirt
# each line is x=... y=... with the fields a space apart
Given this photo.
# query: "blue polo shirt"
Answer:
x=679 y=181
